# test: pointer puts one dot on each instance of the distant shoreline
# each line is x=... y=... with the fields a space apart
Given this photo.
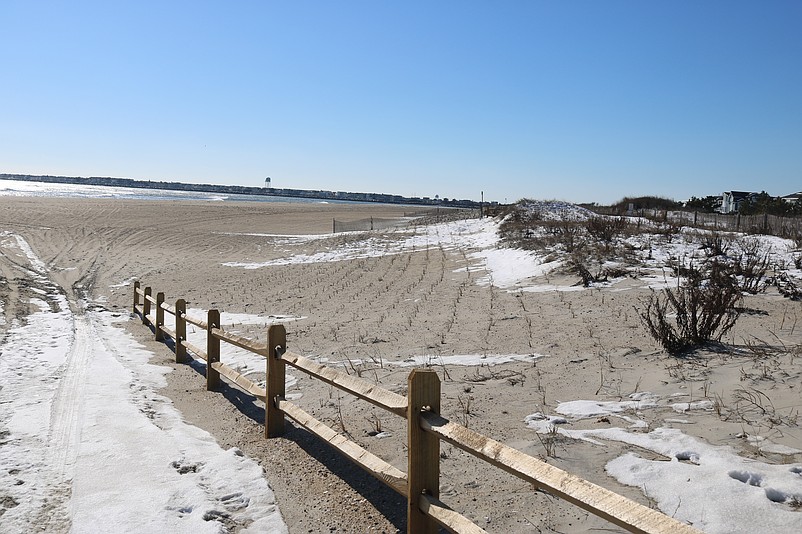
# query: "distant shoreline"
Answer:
x=246 y=190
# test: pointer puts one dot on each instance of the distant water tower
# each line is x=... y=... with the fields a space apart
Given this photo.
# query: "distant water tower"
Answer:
x=267 y=182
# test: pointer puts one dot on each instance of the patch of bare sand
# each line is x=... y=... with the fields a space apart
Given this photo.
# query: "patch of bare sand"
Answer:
x=367 y=313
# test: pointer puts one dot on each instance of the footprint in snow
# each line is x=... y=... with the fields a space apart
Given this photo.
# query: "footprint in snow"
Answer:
x=753 y=479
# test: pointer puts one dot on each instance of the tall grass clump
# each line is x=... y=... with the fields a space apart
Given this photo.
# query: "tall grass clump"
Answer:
x=699 y=310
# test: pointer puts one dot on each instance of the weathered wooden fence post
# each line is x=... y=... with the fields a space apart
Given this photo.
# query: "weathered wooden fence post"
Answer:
x=136 y=296
x=276 y=345
x=423 y=470
x=146 y=307
x=180 y=330
x=212 y=350
x=159 y=335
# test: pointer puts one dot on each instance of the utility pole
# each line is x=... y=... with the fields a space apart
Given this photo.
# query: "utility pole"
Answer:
x=482 y=205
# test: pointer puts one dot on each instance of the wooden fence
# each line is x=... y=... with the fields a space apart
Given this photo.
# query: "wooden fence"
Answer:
x=363 y=225
x=425 y=426
x=787 y=227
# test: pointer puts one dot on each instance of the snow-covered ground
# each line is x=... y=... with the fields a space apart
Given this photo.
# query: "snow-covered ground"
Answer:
x=505 y=267
x=86 y=443
x=523 y=270
x=710 y=486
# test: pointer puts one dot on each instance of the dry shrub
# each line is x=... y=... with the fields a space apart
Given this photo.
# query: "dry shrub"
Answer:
x=606 y=229
x=616 y=272
x=751 y=265
x=704 y=308
x=788 y=287
x=568 y=234
x=669 y=230
x=518 y=226
x=527 y=226
x=577 y=265
x=716 y=244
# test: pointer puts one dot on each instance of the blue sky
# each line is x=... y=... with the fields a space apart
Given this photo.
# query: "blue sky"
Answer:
x=581 y=101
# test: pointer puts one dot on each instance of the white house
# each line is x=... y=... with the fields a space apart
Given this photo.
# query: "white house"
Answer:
x=731 y=200
x=793 y=198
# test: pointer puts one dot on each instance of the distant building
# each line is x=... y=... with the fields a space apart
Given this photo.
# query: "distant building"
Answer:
x=267 y=182
x=793 y=198
x=732 y=200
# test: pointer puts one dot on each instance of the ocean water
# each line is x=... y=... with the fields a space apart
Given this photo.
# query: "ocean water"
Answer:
x=42 y=189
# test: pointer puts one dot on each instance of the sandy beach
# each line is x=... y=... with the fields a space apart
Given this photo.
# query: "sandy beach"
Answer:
x=378 y=311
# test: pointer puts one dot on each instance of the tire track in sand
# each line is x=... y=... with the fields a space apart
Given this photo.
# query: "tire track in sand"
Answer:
x=64 y=435
x=67 y=402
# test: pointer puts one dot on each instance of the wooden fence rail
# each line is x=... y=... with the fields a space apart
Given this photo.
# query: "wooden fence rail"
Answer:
x=425 y=427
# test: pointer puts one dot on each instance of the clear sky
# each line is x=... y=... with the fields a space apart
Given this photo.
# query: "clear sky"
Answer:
x=581 y=101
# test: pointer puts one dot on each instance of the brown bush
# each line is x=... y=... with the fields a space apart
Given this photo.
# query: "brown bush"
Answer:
x=705 y=308
x=751 y=265
x=568 y=234
x=606 y=229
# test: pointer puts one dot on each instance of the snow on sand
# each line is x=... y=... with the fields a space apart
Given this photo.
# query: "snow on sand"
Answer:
x=710 y=486
x=87 y=444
